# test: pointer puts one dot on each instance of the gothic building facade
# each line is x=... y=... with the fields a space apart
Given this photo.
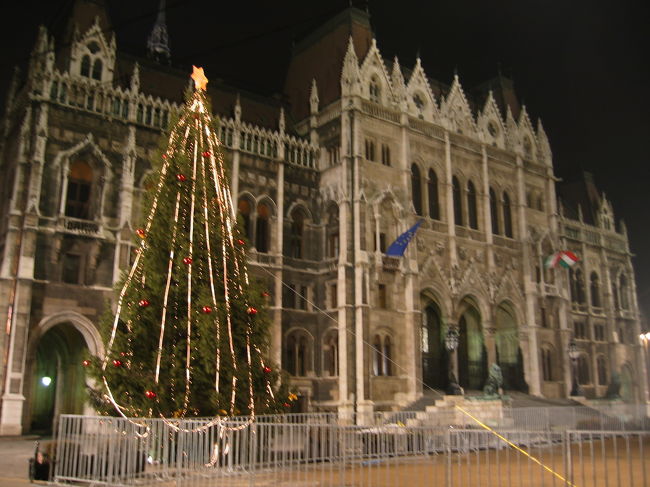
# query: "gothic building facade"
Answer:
x=360 y=151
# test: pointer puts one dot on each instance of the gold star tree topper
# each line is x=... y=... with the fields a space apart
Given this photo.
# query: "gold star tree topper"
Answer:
x=200 y=81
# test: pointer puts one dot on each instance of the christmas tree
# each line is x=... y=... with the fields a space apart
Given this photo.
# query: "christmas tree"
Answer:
x=189 y=330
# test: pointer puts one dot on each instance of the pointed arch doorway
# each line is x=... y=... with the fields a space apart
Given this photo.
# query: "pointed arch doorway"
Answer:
x=57 y=379
x=434 y=354
x=508 y=353
x=472 y=354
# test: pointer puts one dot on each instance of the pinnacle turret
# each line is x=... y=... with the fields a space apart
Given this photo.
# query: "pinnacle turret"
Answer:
x=158 y=42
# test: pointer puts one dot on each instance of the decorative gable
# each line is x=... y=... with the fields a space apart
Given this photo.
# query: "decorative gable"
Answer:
x=490 y=125
x=543 y=145
x=92 y=56
x=455 y=111
x=527 y=136
x=421 y=102
x=605 y=214
x=375 y=81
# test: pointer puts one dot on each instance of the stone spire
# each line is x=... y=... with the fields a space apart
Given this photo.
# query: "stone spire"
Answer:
x=158 y=42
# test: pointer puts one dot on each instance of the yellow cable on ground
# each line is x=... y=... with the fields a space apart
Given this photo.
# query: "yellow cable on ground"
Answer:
x=510 y=443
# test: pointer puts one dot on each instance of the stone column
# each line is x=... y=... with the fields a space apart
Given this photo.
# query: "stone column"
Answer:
x=449 y=197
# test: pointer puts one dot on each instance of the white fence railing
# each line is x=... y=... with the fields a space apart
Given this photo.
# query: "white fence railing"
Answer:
x=325 y=450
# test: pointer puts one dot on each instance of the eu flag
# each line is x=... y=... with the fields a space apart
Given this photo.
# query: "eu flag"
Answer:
x=398 y=247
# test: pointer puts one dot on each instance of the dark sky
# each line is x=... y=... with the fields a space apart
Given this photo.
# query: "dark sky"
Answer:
x=580 y=65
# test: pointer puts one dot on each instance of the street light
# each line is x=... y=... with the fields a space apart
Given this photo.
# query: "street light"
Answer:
x=451 y=344
x=574 y=353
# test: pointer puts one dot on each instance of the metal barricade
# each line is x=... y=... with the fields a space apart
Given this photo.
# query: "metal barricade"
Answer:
x=313 y=450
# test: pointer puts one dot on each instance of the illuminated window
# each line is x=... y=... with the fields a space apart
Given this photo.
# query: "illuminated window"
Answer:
x=78 y=196
x=472 y=211
x=494 y=213
x=416 y=188
x=263 y=228
x=458 y=205
x=432 y=186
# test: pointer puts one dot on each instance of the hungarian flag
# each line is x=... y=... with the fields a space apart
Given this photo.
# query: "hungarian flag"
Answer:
x=565 y=258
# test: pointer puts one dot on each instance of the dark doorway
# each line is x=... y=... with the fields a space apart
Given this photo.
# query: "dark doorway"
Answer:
x=434 y=354
x=58 y=378
x=472 y=355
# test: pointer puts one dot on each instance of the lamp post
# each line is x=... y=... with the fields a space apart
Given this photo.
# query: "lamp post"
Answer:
x=451 y=344
x=574 y=353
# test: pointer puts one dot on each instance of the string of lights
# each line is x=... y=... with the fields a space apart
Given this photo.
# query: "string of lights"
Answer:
x=202 y=288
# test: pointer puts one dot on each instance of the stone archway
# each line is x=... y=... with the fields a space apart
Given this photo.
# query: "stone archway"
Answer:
x=57 y=379
x=472 y=354
x=508 y=352
x=628 y=389
x=434 y=354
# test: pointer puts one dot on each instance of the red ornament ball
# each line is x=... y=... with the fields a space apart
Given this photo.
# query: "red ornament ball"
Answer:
x=143 y=303
x=240 y=242
x=251 y=311
x=122 y=354
x=266 y=294
x=207 y=309
x=287 y=405
x=117 y=363
x=140 y=232
x=267 y=369
x=164 y=156
x=207 y=153
x=85 y=363
x=187 y=260
x=181 y=177
x=150 y=394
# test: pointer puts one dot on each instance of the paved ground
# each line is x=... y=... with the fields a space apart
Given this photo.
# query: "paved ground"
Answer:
x=15 y=453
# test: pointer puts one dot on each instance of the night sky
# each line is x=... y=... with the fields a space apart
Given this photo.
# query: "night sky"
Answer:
x=579 y=65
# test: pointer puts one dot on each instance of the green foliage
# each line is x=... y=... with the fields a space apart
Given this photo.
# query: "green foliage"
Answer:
x=170 y=308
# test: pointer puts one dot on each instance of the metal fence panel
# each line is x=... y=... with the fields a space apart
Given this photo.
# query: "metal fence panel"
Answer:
x=531 y=448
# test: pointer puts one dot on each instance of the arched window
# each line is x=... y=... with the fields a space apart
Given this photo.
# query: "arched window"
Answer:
x=623 y=292
x=331 y=354
x=472 y=212
x=382 y=355
x=79 y=191
x=416 y=188
x=458 y=205
x=601 y=365
x=584 y=375
x=296 y=234
x=374 y=90
x=494 y=212
x=263 y=228
x=547 y=364
x=387 y=356
x=297 y=354
x=432 y=186
x=244 y=208
x=577 y=286
x=85 y=66
x=377 y=362
x=507 y=216
x=595 y=290
x=97 y=69
x=615 y=294
x=332 y=232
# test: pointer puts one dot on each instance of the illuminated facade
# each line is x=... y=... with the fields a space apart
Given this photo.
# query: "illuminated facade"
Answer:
x=374 y=148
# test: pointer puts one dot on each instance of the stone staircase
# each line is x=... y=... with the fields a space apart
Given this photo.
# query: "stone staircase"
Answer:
x=523 y=400
x=436 y=409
